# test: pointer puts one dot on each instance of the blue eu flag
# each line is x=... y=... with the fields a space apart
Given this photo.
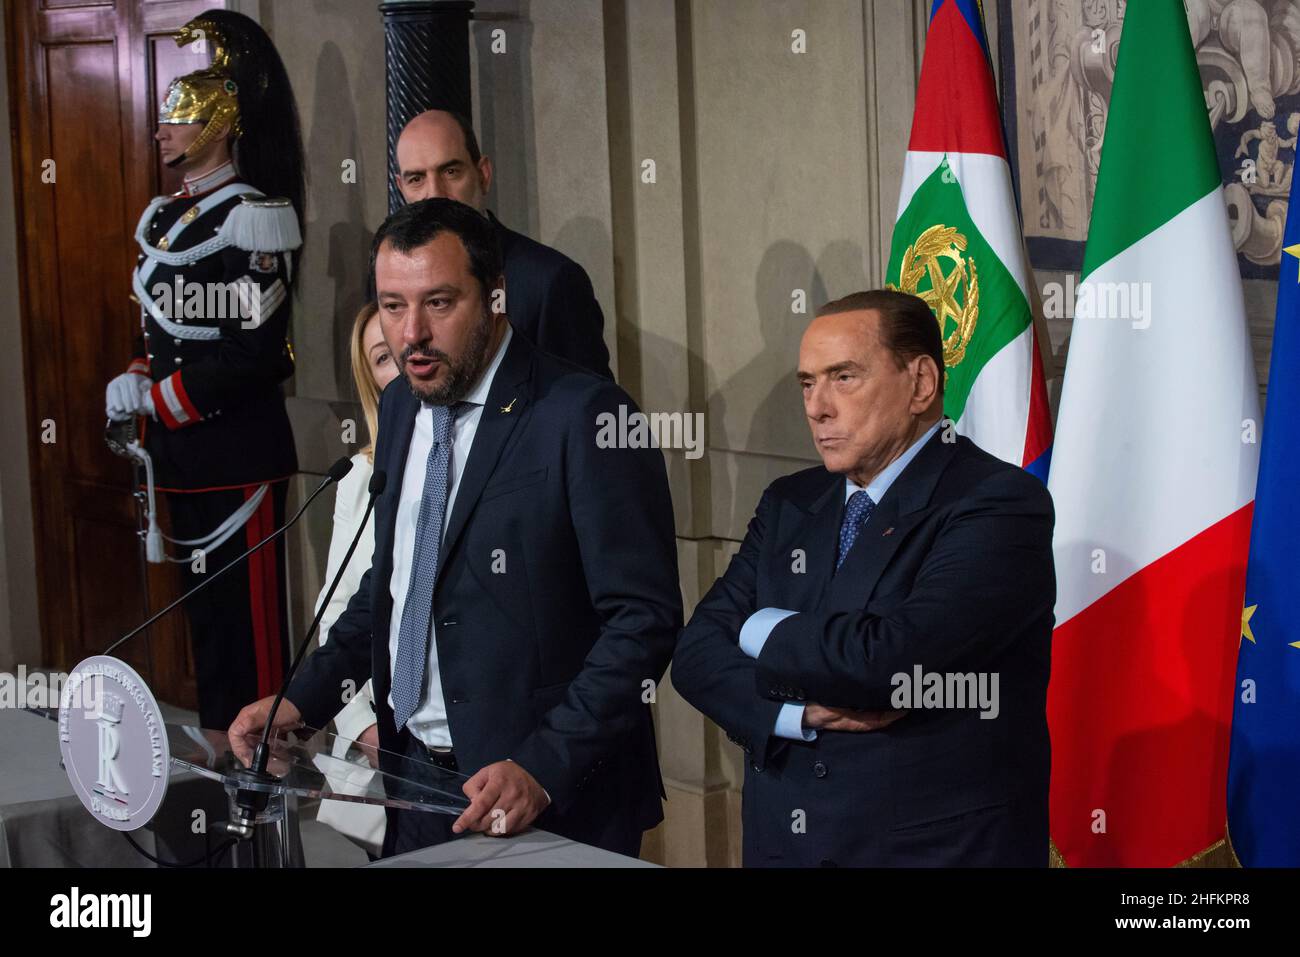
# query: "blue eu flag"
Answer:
x=1264 y=767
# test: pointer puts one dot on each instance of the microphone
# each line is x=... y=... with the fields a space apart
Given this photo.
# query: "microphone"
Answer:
x=262 y=754
x=339 y=469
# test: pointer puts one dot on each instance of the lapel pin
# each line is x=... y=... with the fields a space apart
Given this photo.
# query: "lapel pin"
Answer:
x=888 y=531
x=507 y=408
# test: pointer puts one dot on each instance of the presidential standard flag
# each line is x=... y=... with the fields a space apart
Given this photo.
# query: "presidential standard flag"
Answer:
x=957 y=244
x=1264 y=768
x=1153 y=477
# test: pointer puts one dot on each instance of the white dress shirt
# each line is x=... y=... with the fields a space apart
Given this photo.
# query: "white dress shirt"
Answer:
x=429 y=723
x=758 y=626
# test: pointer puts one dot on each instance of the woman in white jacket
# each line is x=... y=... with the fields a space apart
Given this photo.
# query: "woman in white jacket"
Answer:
x=372 y=369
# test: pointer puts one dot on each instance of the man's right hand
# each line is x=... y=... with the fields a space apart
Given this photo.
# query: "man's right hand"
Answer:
x=124 y=396
x=248 y=724
x=846 y=719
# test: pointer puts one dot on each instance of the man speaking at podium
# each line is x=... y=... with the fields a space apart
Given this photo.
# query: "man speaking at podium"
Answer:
x=523 y=597
x=879 y=645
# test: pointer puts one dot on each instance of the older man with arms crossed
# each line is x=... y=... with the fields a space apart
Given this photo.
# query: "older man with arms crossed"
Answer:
x=910 y=553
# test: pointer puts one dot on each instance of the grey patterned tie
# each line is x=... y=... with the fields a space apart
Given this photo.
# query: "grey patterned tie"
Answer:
x=413 y=636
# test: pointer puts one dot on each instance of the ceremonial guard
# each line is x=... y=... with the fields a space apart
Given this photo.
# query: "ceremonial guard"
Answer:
x=214 y=280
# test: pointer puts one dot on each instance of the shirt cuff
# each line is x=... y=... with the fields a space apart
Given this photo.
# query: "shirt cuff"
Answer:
x=754 y=632
x=789 y=723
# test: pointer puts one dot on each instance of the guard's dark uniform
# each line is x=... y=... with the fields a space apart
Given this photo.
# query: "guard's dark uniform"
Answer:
x=216 y=349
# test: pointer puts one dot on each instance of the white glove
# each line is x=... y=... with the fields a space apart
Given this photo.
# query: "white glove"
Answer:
x=128 y=395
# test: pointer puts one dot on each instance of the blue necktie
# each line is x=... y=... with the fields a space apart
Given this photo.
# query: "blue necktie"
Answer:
x=856 y=512
x=413 y=637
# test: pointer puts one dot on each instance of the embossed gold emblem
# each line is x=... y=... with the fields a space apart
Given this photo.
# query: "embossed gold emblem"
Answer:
x=191 y=214
x=164 y=243
x=926 y=258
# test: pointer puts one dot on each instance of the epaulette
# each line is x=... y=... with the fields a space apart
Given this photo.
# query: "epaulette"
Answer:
x=262 y=225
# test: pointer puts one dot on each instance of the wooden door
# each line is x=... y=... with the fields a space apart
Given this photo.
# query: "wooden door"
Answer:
x=86 y=79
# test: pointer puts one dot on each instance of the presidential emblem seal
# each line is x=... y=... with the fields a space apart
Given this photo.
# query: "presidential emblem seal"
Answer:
x=953 y=295
x=113 y=742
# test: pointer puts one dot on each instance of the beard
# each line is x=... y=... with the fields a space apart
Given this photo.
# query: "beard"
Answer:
x=462 y=372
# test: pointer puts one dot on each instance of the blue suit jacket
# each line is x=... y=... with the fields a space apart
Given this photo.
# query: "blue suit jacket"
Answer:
x=953 y=572
x=546 y=663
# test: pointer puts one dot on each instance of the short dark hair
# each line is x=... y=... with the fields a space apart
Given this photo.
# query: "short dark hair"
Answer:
x=416 y=224
x=907 y=326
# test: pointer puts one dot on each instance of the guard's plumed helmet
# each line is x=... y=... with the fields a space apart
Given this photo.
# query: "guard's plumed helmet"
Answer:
x=206 y=97
x=244 y=93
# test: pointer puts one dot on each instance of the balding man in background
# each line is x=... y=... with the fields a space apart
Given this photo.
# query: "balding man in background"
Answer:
x=879 y=646
x=549 y=298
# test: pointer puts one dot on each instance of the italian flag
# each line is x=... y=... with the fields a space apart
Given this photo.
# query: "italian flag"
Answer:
x=957 y=244
x=1153 y=479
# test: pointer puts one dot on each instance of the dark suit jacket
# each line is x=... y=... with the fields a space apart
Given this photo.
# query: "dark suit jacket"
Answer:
x=550 y=301
x=953 y=571
x=547 y=663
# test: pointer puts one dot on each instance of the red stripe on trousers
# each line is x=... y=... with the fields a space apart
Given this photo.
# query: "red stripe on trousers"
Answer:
x=264 y=597
x=271 y=565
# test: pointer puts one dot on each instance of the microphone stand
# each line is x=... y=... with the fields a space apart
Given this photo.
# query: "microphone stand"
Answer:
x=251 y=799
x=241 y=827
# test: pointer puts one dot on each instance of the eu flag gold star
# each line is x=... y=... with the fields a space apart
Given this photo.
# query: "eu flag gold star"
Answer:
x=1293 y=251
x=1246 y=614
